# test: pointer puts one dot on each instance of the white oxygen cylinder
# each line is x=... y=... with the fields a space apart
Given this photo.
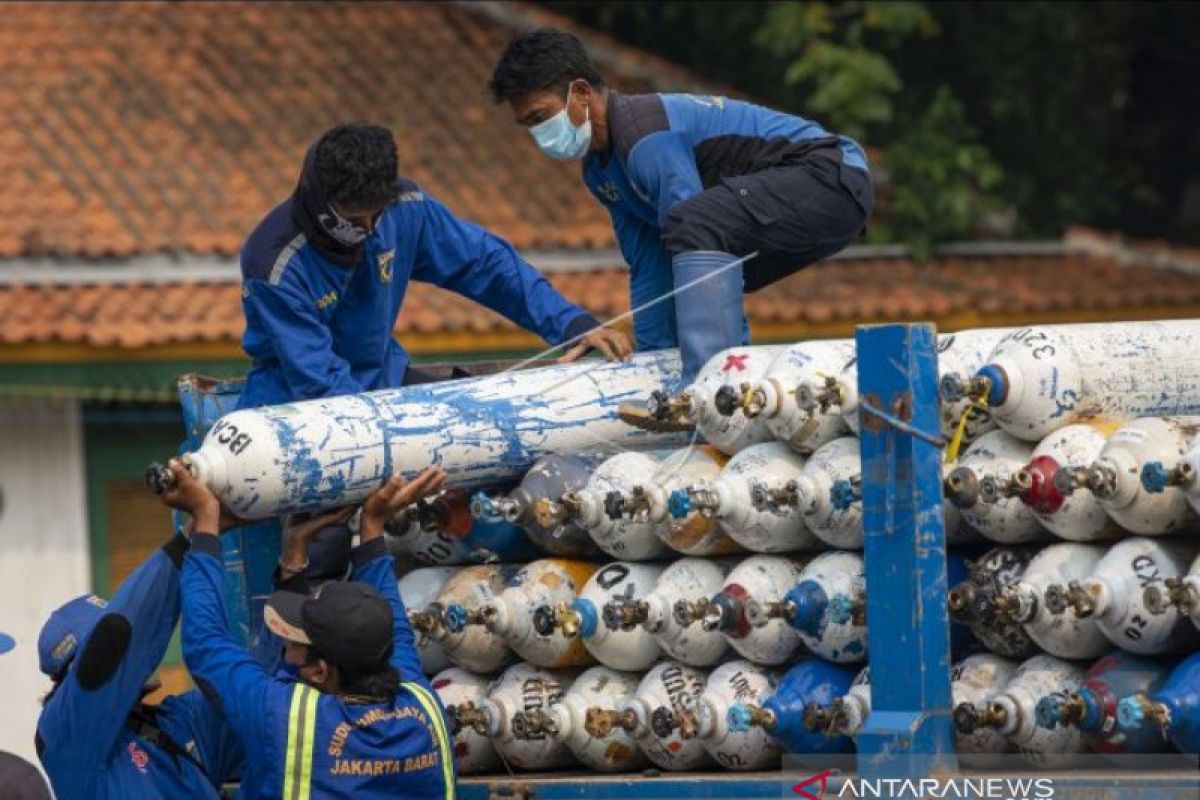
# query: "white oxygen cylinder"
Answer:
x=633 y=649
x=685 y=579
x=474 y=648
x=523 y=688
x=1012 y=713
x=735 y=682
x=1114 y=595
x=1115 y=478
x=567 y=720
x=317 y=454
x=758 y=577
x=976 y=680
x=729 y=498
x=418 y=589
x=1042 y=378
x=1077 y=516
x=458 y=690
x=1179 y=594
x=695 y=533
x=1007 y=520
x=672 y=686
x=828 y=494
x=797 y=395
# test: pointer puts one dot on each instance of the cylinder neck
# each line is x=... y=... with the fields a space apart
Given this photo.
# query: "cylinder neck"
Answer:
x=810 y=603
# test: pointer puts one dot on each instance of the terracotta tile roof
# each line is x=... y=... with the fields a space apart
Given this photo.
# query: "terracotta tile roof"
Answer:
x=826 y=299
x=138 y=128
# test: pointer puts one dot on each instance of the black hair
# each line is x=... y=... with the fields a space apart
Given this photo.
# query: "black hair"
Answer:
x=381 y=683
x=357 y=165
x=538 y=60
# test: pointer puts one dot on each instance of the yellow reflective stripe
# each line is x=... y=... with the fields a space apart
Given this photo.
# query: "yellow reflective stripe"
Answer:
x=432 y=708
x=302 y=730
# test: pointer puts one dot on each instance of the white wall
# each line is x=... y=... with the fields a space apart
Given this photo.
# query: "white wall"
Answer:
x=44 y=555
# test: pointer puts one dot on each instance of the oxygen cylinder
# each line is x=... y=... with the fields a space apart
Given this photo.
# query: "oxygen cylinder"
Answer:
x=460 y=690
x=1115 y=477
x=844 y=715
x=798 y=395
x=633 y=649
x=668 y=689
x=1006 y=520
x=1179 y=593
x=418 y=589
x=961 y=353
x=762 y=468
x=1077 y=516
x=957 y=530
x=828 y=493
x=316 y=454
x=1159 y=476
x=694 y=533
x=627 y=539
x=549 y=478
x=548 y=582
x=1172 y=711
x=1039 y=379
x=756 y=577
x=708 y=403
x=440 y=531
x=1113 y=595
x=566 y=721
x=1012 y=714
x=731 y=683
x=986 y=576
x=1029 y=601
x=1092 y=708
x=975 y=681
x=686 y=578
x=827 y=607
x=474 y=648
x=810 y=682
x=523 y=688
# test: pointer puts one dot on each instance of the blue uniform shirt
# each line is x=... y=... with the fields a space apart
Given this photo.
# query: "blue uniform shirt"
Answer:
x=316 y=328
x=83 y=740
x=379 y=751
x=666 y=148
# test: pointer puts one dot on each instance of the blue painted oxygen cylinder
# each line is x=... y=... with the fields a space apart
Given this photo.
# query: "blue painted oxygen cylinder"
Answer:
x=1093 y=706
x=441 y=531
x=782 y=714
x=549 y=478
x=1172 y=711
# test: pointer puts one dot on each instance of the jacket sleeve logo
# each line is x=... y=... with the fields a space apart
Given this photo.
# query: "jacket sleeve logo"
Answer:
x=384 y=261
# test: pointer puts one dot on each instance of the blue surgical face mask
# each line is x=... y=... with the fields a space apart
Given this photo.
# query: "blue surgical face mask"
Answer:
x=560 y=138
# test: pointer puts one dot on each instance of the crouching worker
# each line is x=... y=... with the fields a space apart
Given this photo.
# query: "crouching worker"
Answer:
x=360 y=720
x=95 y=736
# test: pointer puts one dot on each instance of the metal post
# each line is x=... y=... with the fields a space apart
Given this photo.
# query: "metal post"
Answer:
x=251 y=551
x=908 y=733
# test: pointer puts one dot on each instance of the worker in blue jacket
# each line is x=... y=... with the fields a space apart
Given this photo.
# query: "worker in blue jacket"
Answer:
x=360 y=719
x=693 y=184
x=325 y=273
x=95 y=737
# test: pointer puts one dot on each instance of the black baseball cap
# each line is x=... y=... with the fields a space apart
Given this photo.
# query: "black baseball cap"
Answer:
x=347 y=623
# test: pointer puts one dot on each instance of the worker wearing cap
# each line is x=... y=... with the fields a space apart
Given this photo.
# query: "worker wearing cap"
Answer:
x=693 y=184
x=360 y=719
x=95 y=737
x=325 y=273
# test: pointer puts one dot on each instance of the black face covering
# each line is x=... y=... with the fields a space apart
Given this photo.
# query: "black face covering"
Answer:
x=330 y=234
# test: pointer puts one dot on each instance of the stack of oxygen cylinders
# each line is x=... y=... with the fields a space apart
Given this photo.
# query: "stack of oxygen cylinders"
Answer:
x=704 y=606
x=628 y=600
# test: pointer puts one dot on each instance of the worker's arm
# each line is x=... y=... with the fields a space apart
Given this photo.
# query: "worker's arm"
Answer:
x=463 y=257
x=649 y=280
x=662 y=166
x=86 y=713
x=191 y=718
x=373 y=563
x=286 y=315
x=220 y=666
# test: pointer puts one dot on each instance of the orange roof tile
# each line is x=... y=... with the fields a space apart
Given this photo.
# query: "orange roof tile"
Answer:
x=138 y=128
x=824 y=299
